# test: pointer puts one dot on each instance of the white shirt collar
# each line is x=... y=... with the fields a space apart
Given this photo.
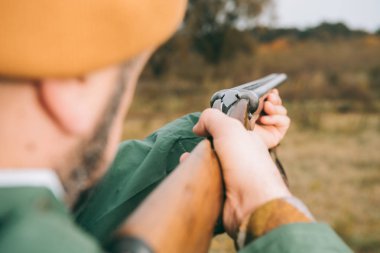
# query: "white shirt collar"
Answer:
x=32 y=178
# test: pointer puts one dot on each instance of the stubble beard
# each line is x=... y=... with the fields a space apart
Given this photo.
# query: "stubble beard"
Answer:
x=90 y=154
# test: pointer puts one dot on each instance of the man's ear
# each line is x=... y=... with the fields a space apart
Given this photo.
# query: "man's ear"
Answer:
x=70 y=104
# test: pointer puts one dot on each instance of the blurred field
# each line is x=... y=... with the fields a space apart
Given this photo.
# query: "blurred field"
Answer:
x=331 y=152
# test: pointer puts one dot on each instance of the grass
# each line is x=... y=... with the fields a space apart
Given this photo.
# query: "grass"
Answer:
x=335 y=170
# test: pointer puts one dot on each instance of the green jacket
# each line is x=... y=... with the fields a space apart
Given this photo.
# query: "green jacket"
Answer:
x=32 y=220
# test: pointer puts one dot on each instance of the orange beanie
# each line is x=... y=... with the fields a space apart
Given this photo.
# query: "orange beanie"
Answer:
x=66 y=38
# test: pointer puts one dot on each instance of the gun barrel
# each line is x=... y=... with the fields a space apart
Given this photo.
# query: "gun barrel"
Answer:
x=252 y=92
x=274 y=82
x=256 y=83
x=262 y=86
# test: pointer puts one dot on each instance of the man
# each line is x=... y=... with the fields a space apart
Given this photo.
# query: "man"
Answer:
x=68 y=70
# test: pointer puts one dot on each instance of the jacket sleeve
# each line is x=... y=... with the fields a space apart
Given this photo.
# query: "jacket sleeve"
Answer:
x=298 y=238
x=138 y=168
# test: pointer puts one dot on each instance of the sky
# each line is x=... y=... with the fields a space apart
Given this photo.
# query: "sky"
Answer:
x=357 y=14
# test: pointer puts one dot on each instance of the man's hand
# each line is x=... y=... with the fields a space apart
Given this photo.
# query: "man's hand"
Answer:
x=272 y=126
x=251 y=178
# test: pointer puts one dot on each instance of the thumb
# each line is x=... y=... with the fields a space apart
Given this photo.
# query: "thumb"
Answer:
x=215 y=123
x=183 y=157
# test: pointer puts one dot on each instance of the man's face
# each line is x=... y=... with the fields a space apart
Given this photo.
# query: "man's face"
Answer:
x=95 y=154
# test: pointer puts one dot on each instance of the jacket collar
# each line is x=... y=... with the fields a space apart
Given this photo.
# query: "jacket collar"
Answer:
x=32 y=178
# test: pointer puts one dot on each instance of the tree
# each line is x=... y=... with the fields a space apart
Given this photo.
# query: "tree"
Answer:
x=327 y=31
x=378 y=32
x=211 y=24
x=216 y=29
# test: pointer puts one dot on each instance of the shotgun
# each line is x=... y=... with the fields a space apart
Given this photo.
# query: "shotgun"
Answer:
x=245 y=103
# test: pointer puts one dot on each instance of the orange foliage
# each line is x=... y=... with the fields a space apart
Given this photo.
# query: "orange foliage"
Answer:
x=280 y=44
x=372 y=40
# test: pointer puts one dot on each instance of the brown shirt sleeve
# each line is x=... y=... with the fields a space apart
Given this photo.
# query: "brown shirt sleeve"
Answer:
x=272 y=215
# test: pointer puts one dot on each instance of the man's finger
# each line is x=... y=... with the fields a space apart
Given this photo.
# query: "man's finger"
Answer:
x=271 y=109
x=275 y=91
x=275 y=120
x=183 y=157
x=274 y=98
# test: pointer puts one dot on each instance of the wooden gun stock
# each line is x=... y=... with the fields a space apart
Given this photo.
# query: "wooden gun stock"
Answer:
x=180 y=215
